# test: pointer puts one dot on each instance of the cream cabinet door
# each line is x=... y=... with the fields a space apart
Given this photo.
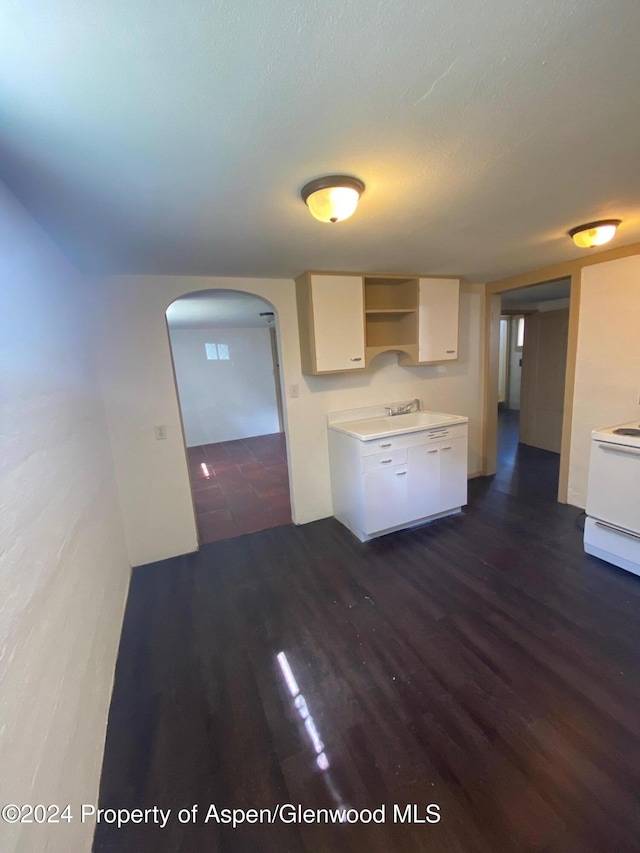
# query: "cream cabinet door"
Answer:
x=438 y=306
x=338 y=321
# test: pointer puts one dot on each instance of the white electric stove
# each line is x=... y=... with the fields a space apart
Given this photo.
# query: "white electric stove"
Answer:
x=612 y=528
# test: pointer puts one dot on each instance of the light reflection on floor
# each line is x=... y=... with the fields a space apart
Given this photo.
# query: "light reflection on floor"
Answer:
x=302 y=708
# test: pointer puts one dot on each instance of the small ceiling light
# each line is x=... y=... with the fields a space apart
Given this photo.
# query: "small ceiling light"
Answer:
x=594 y=233
x=332 y=198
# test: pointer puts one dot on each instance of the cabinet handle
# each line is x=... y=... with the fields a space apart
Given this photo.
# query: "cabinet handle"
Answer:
x=435 y=450
x=447 y=448
x=450 y=351
x=384 y=461
x=388 y=444
x=355 y=359
x=400 y=473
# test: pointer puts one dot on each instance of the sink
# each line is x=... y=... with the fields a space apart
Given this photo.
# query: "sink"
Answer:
x=397 y=424
x=420 y=419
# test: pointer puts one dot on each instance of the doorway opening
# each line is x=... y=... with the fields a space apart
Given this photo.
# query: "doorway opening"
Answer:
x=534 y=329
x=224 y=346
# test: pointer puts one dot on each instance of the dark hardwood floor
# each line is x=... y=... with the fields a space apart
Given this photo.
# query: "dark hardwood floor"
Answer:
x=483 y=663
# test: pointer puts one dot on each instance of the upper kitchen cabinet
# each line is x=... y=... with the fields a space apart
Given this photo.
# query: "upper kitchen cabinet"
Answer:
x=347 y=320
x=391 y=315
x=331 y=321
x=438 y=307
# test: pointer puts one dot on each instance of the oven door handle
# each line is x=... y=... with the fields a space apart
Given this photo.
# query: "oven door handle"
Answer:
x=620 y=448
x=614 y=529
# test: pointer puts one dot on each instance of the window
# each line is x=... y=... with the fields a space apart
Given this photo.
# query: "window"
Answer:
x=217 y=352
x=520 y=333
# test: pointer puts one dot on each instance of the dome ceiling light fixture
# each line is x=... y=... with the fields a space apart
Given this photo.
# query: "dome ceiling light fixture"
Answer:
x=333 y=197
x=594 y=234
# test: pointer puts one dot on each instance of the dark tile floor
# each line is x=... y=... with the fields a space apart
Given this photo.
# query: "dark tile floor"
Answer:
x=240 y=486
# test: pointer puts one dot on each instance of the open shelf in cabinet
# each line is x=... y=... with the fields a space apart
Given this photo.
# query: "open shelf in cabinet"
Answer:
x=387 y=329
x=390 y=294
x=391 y=314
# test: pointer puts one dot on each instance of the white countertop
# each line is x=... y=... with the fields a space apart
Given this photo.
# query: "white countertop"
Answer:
x=383 y=427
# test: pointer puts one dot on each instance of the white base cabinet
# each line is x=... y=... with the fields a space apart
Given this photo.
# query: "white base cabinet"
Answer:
x=382 y=485
x=386 y=497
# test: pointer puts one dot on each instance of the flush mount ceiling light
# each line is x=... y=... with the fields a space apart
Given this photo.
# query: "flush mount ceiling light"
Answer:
x=332 y=198
x=594 y=233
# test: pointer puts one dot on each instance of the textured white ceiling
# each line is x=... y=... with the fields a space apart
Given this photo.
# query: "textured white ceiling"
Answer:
x=174 y=137
x=220 y=308
x=560 y=288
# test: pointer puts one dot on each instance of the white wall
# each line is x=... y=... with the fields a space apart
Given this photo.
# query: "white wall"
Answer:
x=140 y=392
x=553 y=304
x=228 y=399
x=63 y=566
x=608 y=360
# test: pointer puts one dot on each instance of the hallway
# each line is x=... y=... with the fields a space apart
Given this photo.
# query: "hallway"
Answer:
x=523 y=469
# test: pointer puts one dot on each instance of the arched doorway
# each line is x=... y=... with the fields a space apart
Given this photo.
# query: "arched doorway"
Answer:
x=225 y=355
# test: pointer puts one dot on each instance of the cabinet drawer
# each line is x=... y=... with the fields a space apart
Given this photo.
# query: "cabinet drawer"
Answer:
x=393 y=443
x=453 y=431
x=411 y=439
x=383 y=460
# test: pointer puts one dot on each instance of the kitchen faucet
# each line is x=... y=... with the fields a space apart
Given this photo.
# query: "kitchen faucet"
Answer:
x=413 y=406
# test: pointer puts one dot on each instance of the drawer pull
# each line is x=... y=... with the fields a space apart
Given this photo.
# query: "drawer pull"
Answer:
x=355 y=359
x=400 y=473
x=435 y=450
x=388 y=444
x=447 y=448
x=384 y=461
x=450 y=351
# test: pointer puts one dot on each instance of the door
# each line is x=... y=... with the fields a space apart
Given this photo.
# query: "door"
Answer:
x=276 y=376
x=453 y=473
x=438 y=304
x=544 y=358
x=614 y=484
x=386 y=502
x=503 y=365
x=424 y=480
x=338 y=321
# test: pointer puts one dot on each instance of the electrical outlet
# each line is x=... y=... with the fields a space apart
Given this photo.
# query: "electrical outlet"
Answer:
x=161 y=432
x=294 y=391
